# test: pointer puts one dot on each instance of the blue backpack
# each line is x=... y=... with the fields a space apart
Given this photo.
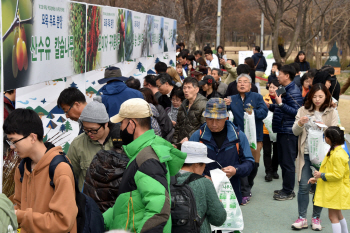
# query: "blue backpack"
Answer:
x=89 y=218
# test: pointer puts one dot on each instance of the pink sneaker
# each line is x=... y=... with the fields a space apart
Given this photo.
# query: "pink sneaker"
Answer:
x=316 y=224
x=300 y=223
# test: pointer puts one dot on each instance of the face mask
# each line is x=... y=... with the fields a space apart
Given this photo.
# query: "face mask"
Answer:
x=126 y=136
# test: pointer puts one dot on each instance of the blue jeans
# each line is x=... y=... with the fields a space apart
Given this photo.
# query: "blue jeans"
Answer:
x=303 y=193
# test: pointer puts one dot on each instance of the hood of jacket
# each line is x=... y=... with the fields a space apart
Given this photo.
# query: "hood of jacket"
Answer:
x=259 y=55
x=113 y=88
x=44 y=161
x=164 y=150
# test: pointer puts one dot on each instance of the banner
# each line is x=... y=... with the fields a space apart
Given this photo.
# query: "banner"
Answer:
x=136 y=36
x=170 y=31
x=267 y=54
x=58 y=129
x=2 y=104
x=43 y=40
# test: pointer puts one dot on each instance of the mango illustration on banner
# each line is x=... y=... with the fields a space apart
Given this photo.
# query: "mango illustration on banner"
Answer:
x=19 y=50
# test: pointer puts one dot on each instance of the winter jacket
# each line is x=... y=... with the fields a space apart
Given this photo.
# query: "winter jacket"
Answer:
x=8 y=107
x=232 y=74
x=329 y=118
x=296 y=80
x=260 y=65
x=40 y=208
x=237 y=107
x=82 y=150
x=8 y=218
x=115 y=93
x=188 y=121
x=284 y=116
x=267 y=99
x=335 y=88
x=154 y=122
x=334 y=191
x=227 y=155
x=104 y=176
x=304 y=66
x=165 y=124
x=143 y=204
x=222 y=88
x=207 y=201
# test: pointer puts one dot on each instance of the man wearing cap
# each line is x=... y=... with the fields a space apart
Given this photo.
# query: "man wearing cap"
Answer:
x=227 y=145
x=115 y=92
x=100 y=134
x=143 y=204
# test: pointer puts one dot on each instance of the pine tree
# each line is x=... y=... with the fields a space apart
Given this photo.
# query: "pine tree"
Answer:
x=139 y=66
x=142 y=69
x=63 y=128
x=74 y=85
x=157 y=60
x=65 y=147
x=68 y=126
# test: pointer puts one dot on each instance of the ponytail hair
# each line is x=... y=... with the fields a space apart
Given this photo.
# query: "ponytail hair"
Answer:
x=336 y=136
x=257 y=48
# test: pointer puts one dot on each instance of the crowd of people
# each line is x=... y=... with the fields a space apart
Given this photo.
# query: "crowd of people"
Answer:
x=133 y=141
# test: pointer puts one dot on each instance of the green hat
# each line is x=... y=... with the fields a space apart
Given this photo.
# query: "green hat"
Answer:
x=216 y=108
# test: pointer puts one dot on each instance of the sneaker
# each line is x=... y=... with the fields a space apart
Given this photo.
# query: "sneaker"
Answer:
x=316 y=224
x=300 y=223
x=268 y=177
x=278 y=191
x=281 y=196
x=275 y=175
x=245 y=200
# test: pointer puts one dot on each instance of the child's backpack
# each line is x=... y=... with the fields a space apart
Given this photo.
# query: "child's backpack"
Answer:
x=183 y=206
x=89 y=218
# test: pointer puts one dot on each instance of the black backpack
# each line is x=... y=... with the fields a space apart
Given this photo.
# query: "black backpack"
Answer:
x=183 y=206
x=89 y=218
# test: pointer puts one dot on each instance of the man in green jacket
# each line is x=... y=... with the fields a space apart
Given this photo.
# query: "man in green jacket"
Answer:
x=143 y=204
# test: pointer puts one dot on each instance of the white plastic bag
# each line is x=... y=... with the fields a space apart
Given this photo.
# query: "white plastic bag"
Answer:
x=318 y=148
x=227 y=196
x=268 y=124
x=250 y=129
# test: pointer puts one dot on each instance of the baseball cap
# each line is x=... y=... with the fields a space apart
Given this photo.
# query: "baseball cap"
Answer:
x=196 y=152
x=206 y=80
x=133 y=108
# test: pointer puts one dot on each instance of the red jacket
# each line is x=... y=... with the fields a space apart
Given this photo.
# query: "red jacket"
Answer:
x=8 y=107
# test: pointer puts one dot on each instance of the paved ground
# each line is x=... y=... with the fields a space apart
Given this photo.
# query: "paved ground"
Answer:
x=265 y=215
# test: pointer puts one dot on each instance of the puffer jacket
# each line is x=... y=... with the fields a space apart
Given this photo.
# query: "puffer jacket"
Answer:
x=143 y=204
x=189 y=121
x=165 y=124
x=284 y=116
x=115 y=93
x=104 y=176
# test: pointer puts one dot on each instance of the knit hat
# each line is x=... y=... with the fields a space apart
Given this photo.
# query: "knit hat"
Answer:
x=95 y=112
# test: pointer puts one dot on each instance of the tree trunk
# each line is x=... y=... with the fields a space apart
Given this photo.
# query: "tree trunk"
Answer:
x=275 y=32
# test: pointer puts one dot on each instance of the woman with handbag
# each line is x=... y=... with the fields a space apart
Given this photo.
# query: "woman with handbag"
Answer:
x=260 y=64
x=317 y=109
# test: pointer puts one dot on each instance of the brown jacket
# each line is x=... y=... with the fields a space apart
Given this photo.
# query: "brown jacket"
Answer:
x=39 y=207
x=329 y=118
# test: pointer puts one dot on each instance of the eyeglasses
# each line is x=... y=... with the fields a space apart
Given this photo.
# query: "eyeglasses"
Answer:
x=13 y=143
x=69 y=109
x=93 y=131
